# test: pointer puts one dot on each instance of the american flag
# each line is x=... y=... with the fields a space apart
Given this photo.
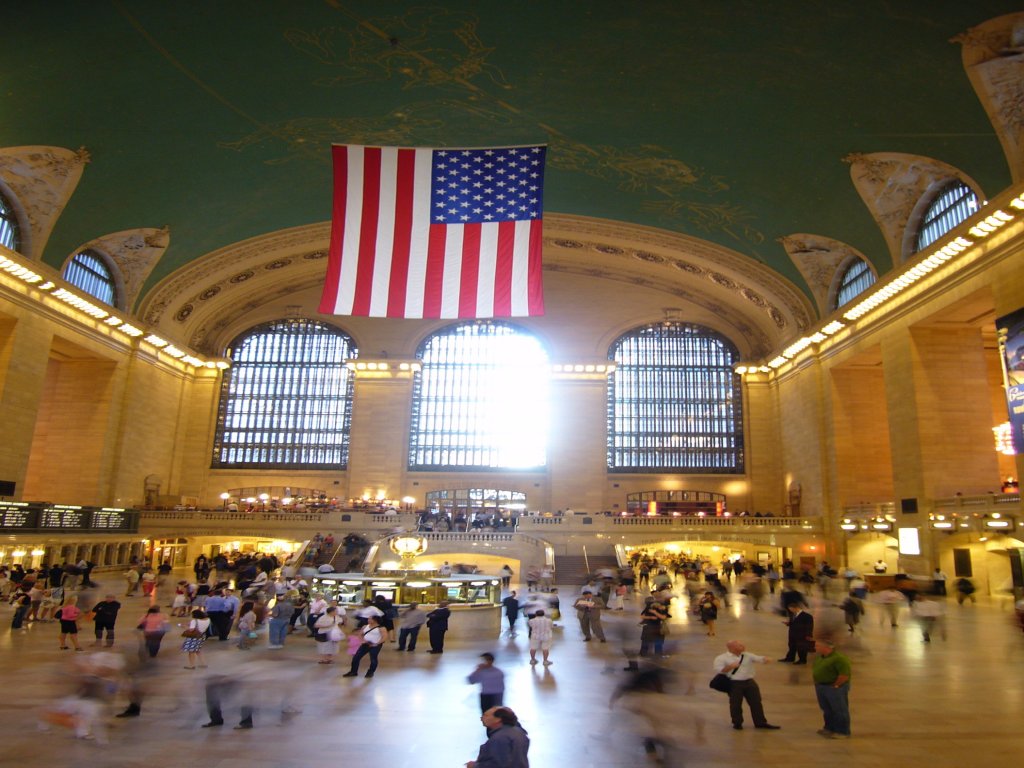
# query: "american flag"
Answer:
x=436 y=233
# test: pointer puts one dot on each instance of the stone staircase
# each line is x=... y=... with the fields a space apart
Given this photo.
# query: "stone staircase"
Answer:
x=571 y=570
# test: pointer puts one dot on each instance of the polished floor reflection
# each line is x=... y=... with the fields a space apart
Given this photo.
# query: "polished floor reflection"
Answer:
x=952 y=702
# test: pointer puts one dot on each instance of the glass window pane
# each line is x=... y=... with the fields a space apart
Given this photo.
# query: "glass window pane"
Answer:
x=289 y=393
x=856 y=279
x=9 y=235
x=480 y=399
x=953 y=205
x=674 y=402
x=88 y=272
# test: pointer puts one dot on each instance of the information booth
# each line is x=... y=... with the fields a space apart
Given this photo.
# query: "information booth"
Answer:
x=474 y=599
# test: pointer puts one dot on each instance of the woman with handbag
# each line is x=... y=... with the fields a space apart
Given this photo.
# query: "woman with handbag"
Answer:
x=374 y=636
x=708 y=609
x=327 y=634
x=195 y=636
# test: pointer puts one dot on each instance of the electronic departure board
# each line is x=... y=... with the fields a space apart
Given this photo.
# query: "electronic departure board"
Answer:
x=41 y=516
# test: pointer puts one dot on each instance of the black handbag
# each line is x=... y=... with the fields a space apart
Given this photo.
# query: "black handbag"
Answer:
x=723 y=682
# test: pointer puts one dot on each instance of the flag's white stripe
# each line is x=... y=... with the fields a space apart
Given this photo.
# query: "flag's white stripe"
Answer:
x=353 y=224
x=416 y=285
x=521 y=270
x=451 y=286
x=385 y=233
x=488 y=266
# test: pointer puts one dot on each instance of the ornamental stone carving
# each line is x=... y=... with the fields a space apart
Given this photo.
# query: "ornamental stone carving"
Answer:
x=818 y=259
x=41 y=180
x=893 y=186
x=993 y=57
x=135 y=252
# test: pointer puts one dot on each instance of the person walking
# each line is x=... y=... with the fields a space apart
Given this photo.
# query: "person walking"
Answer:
x=707 y=607
x=195 y=636
x=588 y=611
x=801 y=631
x=412 y=620
x=326 y=632
x=739 y=666
x=831 y=674
x=507 y=743
x=541 y=632
x=652 y=634
x=373 y=638
x=280 y=616
x=491 y=681
x=437 y=625
x=69 y=614
x=154 y=626
x=104 y=616
x=511 y=606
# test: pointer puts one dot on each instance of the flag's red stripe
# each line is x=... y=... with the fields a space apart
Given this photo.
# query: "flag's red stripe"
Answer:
x=503 y=269
x=535 y=280
x=470 y=274
x=404 y=192
x=367 y=231
x=329 y=298
x=433 y=286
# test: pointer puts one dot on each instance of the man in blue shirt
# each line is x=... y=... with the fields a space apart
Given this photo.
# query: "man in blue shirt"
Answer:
x=491 y=680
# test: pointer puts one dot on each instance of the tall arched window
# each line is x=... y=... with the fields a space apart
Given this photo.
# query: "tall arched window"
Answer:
x=286 y=401
x=674 y=402
x=9 y=235
x=951 y=206
x=856 y=278
x=89 y=271
x=480 y=399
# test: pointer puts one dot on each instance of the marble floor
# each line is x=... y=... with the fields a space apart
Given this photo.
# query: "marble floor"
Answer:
x=952 y=702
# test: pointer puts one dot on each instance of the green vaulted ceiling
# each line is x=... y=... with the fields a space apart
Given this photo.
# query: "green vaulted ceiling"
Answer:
x=725 y=121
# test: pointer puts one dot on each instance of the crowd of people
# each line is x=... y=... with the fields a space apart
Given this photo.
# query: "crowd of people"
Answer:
x=255 y=601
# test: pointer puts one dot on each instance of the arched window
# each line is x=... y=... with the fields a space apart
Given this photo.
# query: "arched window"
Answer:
x=9 y=235
x=856 y=279
x=89 y=272
x=951 y=206
x=480 y=399
x=674 y=402
x=286 y=401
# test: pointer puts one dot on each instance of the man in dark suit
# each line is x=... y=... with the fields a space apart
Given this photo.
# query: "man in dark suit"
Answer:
x=437 y=625
x=801 y=631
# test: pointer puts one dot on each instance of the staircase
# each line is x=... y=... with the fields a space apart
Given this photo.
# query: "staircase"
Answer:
x=571 y=570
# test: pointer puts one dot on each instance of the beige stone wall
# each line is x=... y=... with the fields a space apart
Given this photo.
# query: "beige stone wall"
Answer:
x=860 y=433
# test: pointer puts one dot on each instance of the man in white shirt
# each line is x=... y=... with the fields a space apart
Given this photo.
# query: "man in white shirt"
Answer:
x=739 y=666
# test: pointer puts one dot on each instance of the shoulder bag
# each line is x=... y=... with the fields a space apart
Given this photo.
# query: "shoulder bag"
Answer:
x=723 y=682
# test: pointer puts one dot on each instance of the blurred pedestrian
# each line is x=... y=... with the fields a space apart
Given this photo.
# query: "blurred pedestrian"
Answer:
x=964 y=591
x=104 y=615
x=195 y=637
x=541 y=633
x=412 y=620
x=491 y=681
x=154 y=626
x=437 y=626
x=800 y=635
x=511 y=606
